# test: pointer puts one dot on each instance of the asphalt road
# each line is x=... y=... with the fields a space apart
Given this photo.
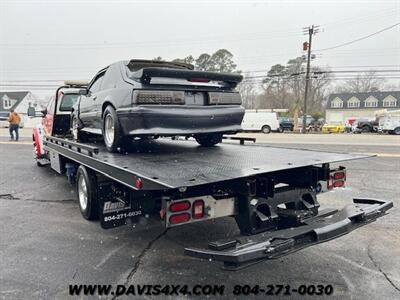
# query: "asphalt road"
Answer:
x=45 y=244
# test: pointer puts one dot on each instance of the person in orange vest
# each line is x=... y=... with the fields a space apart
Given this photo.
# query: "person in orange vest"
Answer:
x=14 y=120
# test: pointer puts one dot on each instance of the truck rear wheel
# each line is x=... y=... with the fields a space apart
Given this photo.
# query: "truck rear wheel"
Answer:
x=209 y=140
x=86 y=190
x=266 y=129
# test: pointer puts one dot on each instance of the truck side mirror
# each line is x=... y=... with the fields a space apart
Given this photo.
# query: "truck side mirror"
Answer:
x=83 y=92
x=31 y=111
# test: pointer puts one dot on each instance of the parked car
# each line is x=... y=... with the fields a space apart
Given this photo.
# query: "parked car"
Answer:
x=334 y=127
x=309 y=121
x=260 y=120
x=144 y=98
x=364 y=126
x=349 y=124
x=286 y=124
x=389 y=122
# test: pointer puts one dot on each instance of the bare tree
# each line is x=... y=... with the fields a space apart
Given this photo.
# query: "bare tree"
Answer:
x=362 y=83
x=249 y=91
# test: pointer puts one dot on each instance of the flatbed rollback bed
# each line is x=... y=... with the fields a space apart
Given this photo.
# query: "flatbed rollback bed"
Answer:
x=271 y=192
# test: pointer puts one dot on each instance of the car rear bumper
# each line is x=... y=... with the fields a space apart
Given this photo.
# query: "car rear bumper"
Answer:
x=180 y=120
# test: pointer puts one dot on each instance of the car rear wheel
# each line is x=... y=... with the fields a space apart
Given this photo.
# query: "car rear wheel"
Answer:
x=112 y=131
x=209 y=140
x=397 y=131
x=87 y=193
x=266 y=129
x=281 y=129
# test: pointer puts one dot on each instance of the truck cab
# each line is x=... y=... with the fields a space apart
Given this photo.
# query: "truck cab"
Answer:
x=56 y=116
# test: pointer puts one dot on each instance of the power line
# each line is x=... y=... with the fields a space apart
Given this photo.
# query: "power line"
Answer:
x=360 y=39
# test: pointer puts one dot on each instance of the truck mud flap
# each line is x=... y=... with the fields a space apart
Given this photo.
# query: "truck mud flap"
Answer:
x=237 y=253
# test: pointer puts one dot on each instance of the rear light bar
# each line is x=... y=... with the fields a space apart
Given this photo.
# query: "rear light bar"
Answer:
x=158 y=97
x=179 y=218
x=337 y=178
x=198 y=209
x=195 y=209
x=216 y=98
x=179 y=206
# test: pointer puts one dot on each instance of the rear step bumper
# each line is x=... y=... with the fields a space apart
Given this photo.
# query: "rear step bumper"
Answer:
x=328 y=224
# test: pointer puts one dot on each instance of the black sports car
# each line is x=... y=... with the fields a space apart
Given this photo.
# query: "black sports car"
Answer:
x=141 y=98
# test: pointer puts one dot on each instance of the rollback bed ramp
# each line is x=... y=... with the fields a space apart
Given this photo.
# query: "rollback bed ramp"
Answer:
x=271 y=192
x=240 y=252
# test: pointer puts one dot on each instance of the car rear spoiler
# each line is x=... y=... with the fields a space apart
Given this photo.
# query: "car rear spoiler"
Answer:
x=240 y=252
x=145 y=75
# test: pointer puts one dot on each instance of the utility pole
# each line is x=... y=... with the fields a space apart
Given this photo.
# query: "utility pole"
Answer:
x=311 y=30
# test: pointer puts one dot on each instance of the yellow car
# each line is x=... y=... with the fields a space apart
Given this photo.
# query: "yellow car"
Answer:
x=333 y=127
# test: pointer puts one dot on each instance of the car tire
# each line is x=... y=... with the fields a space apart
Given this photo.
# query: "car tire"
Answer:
x=266 y=129
x=209 y=140
x=396 y=131
x=77 y=135
x=281 y=129
x=87 y=193
x=112 y=130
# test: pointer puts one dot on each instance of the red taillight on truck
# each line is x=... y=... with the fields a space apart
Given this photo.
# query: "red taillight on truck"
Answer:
x=179 y=206
x=179 y=218
x=198 y=209
x=339 y=175
x=337 y=178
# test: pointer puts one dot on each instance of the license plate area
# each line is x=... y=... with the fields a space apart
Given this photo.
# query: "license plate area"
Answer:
x=195 y=98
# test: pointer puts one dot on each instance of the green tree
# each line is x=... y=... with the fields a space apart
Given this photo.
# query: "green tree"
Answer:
x=187 y=60
x=222 y=61
x=203 y=62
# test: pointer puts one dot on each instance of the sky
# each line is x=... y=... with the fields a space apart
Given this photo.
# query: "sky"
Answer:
x=58 y=39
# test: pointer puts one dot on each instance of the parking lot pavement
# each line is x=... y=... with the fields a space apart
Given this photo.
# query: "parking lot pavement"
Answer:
x=365 y=139
x=46 y=245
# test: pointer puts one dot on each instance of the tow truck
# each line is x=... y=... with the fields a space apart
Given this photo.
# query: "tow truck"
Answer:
x=270 y=192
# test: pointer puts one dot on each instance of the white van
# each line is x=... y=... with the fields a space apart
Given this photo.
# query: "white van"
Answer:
x=260 y=120
x=389 y=122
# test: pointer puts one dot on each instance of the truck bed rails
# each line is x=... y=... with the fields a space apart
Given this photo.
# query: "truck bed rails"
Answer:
x=164 y=164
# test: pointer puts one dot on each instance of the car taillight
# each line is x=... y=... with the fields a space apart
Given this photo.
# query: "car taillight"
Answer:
x=179 y=218
x=216 y=98
x=198 y=209
x=179 y=206
x=158 y=97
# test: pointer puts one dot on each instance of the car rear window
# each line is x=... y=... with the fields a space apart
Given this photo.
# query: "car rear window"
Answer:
x=67 y=101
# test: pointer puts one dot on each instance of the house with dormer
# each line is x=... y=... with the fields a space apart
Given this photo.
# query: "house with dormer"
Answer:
x=18 y=101
x=342 y=106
